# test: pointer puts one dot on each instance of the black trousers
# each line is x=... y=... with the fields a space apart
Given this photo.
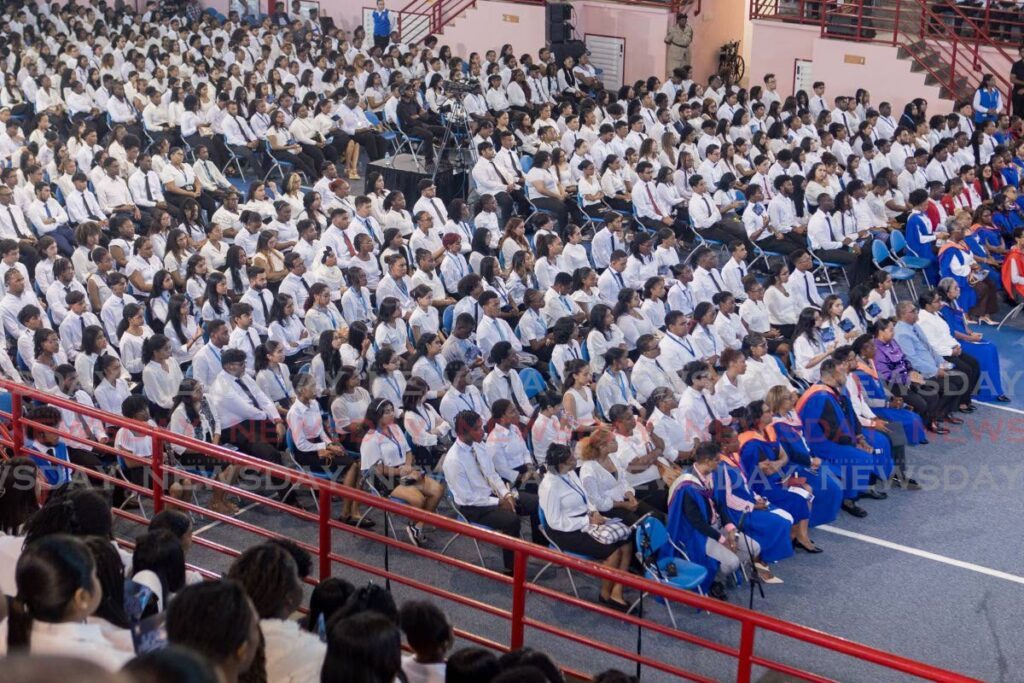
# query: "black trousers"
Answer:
x=372 y=143
x=968 y=365
x=725 y=230
x=257 y=438
x=555 y=206
x=248 y=157
x=507 y=201
x=302 y=162
x=318 y=154
x=506 y=522
x=653 y=494
x=428 y=133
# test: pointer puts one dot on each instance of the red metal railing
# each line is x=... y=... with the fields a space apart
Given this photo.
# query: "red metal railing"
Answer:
x=521 y=588
x=950 y=44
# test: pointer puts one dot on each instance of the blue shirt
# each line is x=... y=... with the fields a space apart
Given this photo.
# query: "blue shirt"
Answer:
x=381 y=23
x=917 y=350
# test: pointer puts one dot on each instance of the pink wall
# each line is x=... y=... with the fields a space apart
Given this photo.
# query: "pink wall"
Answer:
x=775 y=46
x=643 y=29
x=492 y=24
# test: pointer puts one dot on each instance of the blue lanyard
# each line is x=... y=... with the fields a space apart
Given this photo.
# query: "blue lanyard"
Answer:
x=426 y=417
x=575 y=488
x=387 y=435
x=437 y=368
x=470 y=402
x=622 y=384
x=277 y=378
x=393 y=383
x=683 y=342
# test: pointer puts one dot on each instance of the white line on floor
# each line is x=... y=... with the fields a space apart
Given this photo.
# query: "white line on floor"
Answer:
x=214 y=523
x=995 y=573
x=999 y=406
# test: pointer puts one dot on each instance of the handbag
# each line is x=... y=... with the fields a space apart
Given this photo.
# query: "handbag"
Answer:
x=611 y=532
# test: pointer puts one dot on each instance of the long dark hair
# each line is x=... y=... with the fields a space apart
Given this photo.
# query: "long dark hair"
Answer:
x=330 y=356
x=18 y=500
x=110 y=572
x=48 y=575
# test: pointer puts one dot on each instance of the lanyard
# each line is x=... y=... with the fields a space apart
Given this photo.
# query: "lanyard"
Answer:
x=468 y=399
x=568 y=482
x=387 y=435
x=393 y=383
x=685 y=343
x=622 y=384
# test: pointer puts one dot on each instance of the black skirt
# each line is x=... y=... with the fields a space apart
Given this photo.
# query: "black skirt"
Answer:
x=312 y=461
x=582 y=543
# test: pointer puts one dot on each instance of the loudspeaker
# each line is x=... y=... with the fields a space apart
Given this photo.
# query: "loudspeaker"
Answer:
x=559 y=32
x=558 y=12
x=571 y=48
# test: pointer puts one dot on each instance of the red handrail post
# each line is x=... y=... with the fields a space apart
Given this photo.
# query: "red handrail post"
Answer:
x=17 y=431
x=518 y=600
x=324 y=497
x=952 y=66
x=744 y=665
x=157 y=471
x=896 y=23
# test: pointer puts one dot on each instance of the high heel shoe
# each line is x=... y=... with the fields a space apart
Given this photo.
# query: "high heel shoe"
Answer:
x=800 y=546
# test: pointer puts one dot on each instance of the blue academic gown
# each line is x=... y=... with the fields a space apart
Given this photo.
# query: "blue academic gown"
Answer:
x=683 y=534
x=771 y=531
x=919 y=226
x=835 y=441
x=947 y=259
x=985 y=352
x=913 y=425
x=824 y=481
x=756 y=448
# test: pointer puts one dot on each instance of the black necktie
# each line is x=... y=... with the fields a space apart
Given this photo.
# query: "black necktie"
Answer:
x=828 y=219
x=707 y=405
x=263 y=303
x=512 y=395
x=149 y=191
x=437 y=209
x=88 y=208
x=714 y=280
x=241 y=127
x=248 y=392
x=14 y=223
x=503 y=181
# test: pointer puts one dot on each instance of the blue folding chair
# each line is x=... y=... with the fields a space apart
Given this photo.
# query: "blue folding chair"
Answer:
x=880 y=254
x=462 y=518
x=554 y=546
x=390 y=136
x=904 y=254
x=672 y=569
x=448 y=319
x=533 y=382
x=279 y=165
x=292 y=462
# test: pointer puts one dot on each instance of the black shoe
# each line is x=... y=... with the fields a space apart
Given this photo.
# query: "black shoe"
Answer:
x=910 y=484
x=608 y=602
x=968 y=409
x=954 y=420
x=1003 y=398
x=875 y=495
x=800 y=546
x=923 y=442
x=718 y=592
x=854 y=509
x=936 y=429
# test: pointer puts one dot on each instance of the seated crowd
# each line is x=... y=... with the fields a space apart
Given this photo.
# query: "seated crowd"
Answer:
x=78 y=602
x=656 y=255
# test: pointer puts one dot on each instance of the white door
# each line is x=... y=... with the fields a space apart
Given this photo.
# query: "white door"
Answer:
x=607 y=54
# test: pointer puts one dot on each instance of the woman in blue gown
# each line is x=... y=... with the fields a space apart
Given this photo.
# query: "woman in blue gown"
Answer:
x=822 y=477
x=768 y=524
x=990 y=388
x=766 y=467
x=834 y=432
x=978 y=295
x=889 y=408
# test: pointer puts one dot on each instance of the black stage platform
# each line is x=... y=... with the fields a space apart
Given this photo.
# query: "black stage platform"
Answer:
x=401 y=173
